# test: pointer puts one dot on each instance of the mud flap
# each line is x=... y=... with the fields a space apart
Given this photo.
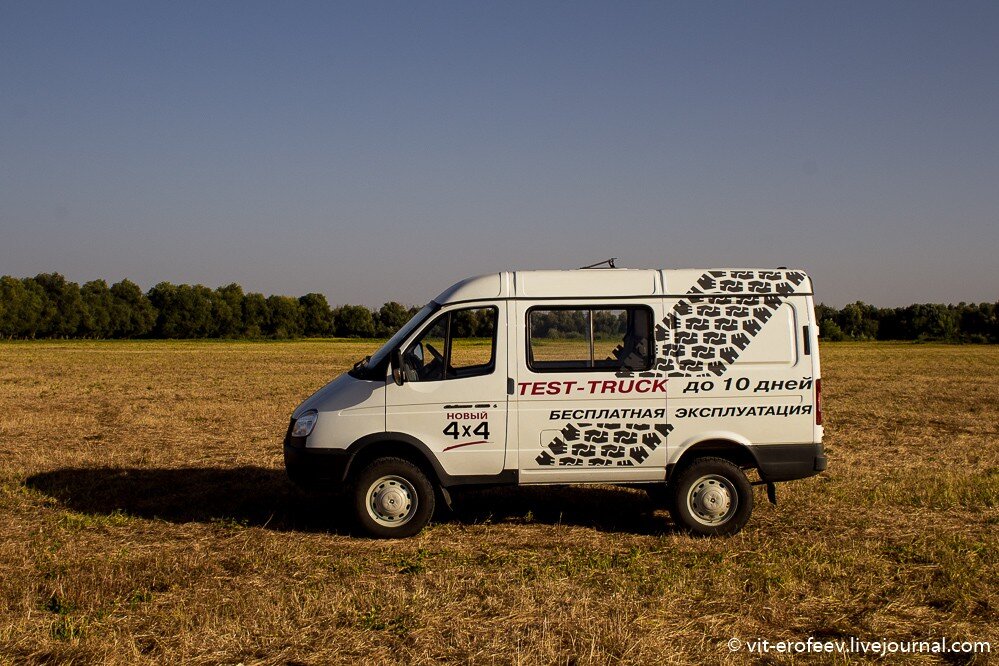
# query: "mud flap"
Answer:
x=446 y=496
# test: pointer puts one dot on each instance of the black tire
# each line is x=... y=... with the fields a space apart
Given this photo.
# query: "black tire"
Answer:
x=392 y=490
x=711 y=497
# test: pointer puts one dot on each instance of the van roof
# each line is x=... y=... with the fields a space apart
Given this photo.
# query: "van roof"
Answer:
x=627 y=282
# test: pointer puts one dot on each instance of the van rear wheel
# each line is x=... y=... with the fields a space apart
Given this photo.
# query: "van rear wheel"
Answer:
x=393 y=498
x=712 y=497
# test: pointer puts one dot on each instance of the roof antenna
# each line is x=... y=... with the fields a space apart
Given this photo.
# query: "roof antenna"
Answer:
x=609 y=262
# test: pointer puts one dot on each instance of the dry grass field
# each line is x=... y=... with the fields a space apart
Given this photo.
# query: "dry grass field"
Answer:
x=145 y=517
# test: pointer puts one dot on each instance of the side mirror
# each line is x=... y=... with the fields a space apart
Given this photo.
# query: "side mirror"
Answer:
x=398 y=376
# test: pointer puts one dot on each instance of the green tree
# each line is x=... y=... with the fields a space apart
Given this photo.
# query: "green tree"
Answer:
x=7 y=301
x=859 y=321
x=97 y=305
x=354 y=321
x=285 y=319
x=391 y=317
x=227 y=311
x=63 y=306
x=255 y=315
x=830 y=331
x=184 y=311
x=977 y=321
x=933 y=322
x=994 y=323
x=132 y=314
x=317 y=318
x=21 y=303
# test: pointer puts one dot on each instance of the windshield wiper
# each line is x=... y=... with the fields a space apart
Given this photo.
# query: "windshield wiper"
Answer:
x=363 y=363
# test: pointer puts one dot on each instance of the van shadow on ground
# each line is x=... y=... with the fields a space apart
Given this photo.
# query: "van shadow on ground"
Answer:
x=263 y=497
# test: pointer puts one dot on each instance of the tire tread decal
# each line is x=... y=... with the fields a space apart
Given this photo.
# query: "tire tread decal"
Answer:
x=705 y=333
x=604 y=444
x=700 y=337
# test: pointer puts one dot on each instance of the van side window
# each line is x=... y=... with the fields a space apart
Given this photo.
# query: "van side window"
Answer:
x=566 y=339
x=458 y=344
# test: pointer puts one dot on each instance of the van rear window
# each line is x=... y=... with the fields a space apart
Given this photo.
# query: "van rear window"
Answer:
x=567 y=339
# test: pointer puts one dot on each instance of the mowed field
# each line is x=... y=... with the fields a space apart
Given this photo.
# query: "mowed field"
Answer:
x=145 y=517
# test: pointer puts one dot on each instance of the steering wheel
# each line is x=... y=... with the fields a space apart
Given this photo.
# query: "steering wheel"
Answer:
x=439 y=357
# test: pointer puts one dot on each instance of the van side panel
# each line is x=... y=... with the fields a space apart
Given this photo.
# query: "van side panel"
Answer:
x=759 y=385
x=734 y=362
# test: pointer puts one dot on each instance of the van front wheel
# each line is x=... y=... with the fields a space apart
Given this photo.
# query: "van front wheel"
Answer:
x=712 y=497
x=393 y=498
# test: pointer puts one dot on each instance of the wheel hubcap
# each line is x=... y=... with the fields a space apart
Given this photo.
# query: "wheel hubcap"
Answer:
x=712 y=500
x=391 y=501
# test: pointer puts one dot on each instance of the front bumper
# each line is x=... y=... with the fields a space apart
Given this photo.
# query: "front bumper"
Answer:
x=313 y=468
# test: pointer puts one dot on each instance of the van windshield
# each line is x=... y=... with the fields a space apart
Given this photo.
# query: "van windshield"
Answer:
x=374 y=367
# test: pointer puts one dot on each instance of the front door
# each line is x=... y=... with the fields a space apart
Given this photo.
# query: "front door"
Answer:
x=454 y=399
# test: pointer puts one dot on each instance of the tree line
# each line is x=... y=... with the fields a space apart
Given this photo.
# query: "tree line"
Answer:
x=575 y=324
x=49 y=306
x=964 y=322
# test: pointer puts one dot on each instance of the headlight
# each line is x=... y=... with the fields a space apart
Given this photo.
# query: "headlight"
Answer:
x=305 y=423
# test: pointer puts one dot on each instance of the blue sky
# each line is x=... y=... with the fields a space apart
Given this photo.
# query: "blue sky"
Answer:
x=379 y=151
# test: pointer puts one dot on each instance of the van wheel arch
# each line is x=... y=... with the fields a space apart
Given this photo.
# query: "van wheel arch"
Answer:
x=392 y=445
x=735 y=452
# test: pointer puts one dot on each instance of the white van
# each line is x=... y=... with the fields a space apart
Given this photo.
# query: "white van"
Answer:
x=680 y=380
